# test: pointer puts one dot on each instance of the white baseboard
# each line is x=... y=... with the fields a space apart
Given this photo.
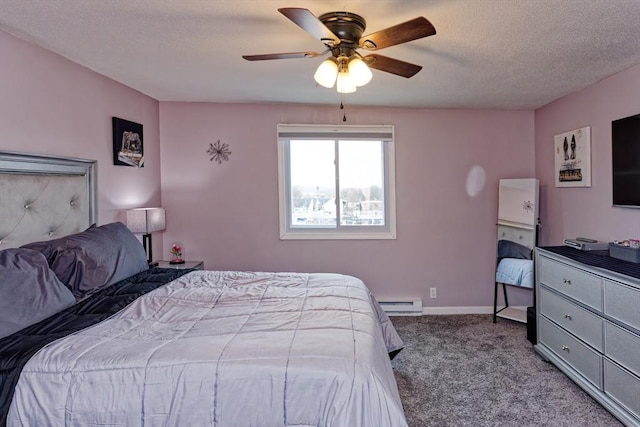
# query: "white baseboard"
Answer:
x=463 y=310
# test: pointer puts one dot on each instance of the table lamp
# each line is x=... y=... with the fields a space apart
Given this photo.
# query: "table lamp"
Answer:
x=146 y=221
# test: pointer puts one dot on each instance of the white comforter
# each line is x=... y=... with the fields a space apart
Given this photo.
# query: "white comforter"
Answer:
x=223 y=349
x=513 y=271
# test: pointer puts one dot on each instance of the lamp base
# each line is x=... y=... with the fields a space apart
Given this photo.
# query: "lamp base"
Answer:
x=146 y=242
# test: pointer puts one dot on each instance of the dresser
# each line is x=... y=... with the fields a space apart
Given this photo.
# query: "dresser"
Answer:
x=588 y=323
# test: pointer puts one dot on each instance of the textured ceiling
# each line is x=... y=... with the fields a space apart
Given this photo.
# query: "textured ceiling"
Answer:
x=506 y=54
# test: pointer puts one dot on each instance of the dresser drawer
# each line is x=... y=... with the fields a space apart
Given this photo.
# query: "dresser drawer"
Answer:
x=580 y=322
x=622 y=303
x=622 y=346
x=622 y=386
x=581 y=357
x=578 y=284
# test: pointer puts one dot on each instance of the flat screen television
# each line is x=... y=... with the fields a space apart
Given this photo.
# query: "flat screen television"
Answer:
x=625 y=150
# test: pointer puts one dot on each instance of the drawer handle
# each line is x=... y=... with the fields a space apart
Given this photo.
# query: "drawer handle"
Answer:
x=567 y=316
x=565 y=348
x=567 y=281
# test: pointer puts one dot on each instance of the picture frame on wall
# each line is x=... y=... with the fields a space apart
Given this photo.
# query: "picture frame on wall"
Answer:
x=128 y=145
x=572 y=153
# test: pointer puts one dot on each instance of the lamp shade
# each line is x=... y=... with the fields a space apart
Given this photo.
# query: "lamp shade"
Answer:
x=326 y=73
x=146 y=220
x=345 y=83
x=359 y=72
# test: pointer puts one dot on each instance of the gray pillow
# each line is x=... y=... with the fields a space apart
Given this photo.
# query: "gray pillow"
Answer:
x=509 y=249
x=95 y=258
x=29 y=290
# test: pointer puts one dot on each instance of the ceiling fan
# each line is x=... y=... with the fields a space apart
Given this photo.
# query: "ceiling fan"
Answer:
x=341 y=33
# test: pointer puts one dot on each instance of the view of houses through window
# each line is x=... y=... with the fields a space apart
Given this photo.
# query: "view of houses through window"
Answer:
x=336 y=182
x=320 y=168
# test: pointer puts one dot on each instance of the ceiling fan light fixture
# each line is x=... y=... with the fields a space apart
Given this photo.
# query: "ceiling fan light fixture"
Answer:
x=345 y=83
x=359 y=71
x=341 y=32
x=327 y=73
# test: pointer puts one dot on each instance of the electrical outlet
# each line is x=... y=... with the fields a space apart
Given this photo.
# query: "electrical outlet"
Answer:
x=433 y=293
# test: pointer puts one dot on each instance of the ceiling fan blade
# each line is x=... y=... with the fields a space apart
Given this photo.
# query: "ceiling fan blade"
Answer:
x=414 y=29
x=291 y=55
x=312 y=25
x=393 y=66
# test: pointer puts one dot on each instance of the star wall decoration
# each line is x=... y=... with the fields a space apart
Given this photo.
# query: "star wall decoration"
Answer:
x=219 y=152
x=527 y=206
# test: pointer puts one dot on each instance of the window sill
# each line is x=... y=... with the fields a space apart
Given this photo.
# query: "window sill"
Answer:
x=337 y=236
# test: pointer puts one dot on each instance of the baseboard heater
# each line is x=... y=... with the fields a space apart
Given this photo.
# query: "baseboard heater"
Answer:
x=401 y=306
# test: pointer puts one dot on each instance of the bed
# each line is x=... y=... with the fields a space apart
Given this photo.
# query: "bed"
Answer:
x=514 y=264
x=98 y=338
x=514 y=271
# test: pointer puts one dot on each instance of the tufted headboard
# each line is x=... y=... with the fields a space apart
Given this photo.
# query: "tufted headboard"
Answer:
x=44 y=197
x=520 y=233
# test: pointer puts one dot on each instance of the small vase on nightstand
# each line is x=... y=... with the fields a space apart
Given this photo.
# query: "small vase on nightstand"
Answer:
x=177 y=253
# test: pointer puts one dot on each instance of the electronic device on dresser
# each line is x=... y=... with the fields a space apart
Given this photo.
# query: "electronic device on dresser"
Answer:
x=586 y=244
x=589 y=324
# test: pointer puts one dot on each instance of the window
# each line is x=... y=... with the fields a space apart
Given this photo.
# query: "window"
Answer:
x=336 y=182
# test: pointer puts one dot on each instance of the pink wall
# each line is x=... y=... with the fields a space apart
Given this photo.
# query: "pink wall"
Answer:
x=572 y=212
x=227 y=215
x=49 y=105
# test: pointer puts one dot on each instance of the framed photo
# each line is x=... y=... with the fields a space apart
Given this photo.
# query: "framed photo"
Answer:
x=573 y=158
x=128 y=149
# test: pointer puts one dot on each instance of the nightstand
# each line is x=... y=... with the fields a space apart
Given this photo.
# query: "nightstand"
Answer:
x=198 y=265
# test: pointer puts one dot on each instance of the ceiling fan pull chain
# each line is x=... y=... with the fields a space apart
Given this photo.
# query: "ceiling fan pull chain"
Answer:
x=344 y=115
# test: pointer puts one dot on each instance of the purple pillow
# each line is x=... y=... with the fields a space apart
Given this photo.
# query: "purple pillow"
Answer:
x=95 y=258
x=29 y=290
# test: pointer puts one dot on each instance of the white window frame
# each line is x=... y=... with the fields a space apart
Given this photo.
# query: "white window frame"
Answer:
x=385 y=133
